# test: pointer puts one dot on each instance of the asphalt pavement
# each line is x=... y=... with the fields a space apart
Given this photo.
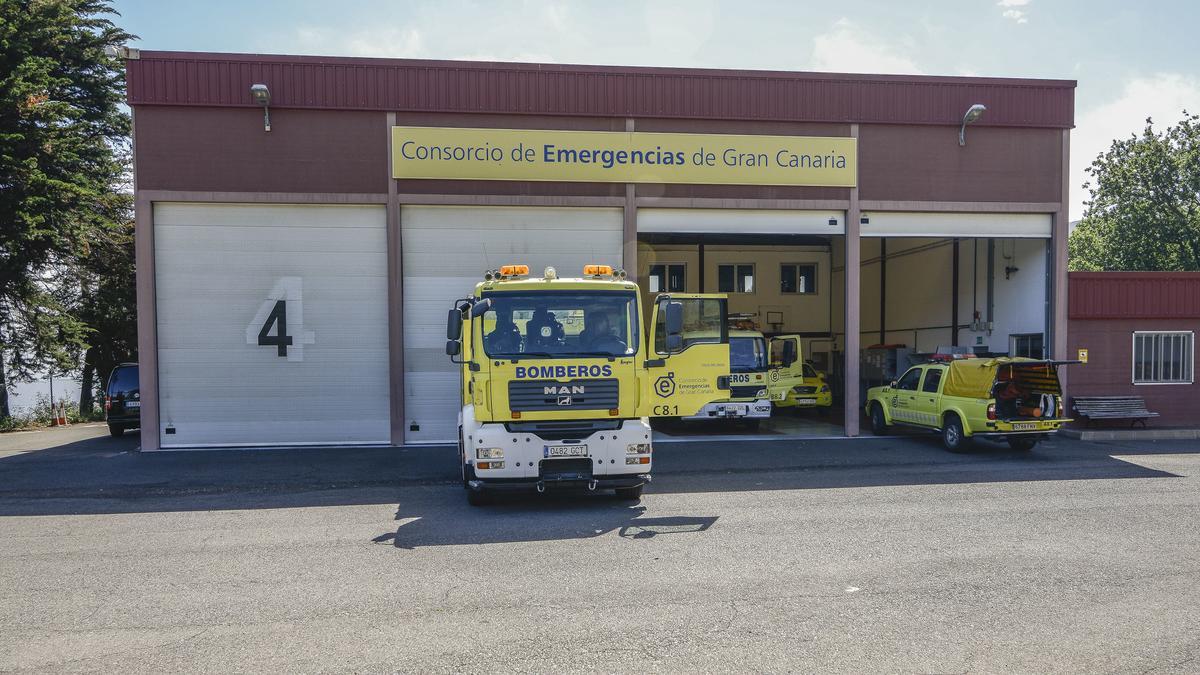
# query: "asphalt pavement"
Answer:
x=834 y=556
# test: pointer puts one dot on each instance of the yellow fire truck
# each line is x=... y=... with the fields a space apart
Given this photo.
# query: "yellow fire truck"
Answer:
x=559 y=377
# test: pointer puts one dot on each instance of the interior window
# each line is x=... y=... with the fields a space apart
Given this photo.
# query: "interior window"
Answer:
x=798 y=278
x=933 y=378
x=910 y=380
x=735 y=278
x=666 y=278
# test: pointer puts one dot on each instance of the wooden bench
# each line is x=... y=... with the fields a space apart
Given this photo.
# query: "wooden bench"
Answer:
x=1112 y=408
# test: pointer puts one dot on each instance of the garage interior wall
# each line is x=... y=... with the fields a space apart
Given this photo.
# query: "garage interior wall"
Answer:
x=222 y=271
x=800 y=312
x=919 y=276
x=445 y=251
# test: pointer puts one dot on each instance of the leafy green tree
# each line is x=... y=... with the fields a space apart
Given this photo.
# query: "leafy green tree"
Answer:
x=108 y=306
x=1144 y=211
x=62 y=134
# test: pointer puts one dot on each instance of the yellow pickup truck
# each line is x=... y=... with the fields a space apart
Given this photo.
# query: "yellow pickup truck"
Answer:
x=1016 y=399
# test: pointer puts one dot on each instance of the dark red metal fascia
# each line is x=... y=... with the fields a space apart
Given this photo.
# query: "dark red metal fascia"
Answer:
x=344 y=83
x=1133 y=295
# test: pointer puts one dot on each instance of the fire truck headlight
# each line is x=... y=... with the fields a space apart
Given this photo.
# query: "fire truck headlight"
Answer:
x=489 y=453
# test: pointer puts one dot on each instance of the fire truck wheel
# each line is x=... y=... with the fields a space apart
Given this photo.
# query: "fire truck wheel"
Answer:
x=478 y=498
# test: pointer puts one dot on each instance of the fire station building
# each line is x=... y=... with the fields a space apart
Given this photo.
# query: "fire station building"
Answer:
x=304 y=223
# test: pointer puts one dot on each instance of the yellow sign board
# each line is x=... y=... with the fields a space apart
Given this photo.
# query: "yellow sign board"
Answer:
x=622 y=157
x=1083 y=354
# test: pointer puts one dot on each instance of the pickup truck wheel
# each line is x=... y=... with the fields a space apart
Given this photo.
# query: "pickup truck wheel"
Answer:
x=116 y=430
x=879 y=426
x=952 y=434
x=632 y=494
x=1022 y=444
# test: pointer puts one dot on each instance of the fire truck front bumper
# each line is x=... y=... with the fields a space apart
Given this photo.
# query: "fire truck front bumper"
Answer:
x=734 y=410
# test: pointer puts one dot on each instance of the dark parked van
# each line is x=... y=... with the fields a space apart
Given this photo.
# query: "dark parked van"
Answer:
x=122 y=400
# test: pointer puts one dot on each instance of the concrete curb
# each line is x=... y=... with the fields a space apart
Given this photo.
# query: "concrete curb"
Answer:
x=1131 y=434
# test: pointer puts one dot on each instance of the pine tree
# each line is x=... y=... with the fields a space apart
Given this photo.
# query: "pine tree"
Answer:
x=63 y=135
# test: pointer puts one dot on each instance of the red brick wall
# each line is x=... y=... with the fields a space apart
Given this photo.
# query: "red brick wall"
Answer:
x=1109 y=370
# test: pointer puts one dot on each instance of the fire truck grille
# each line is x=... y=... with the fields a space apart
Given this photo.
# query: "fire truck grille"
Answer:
x=744 y=392
x=532 y=395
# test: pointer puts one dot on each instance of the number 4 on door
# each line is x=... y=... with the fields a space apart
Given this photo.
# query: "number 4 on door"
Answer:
x=278 y=318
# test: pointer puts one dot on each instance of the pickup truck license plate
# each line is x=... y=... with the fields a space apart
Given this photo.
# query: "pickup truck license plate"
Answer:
x=133 y=404
x=806 y=401
x=565 y=451
x=1024 y=426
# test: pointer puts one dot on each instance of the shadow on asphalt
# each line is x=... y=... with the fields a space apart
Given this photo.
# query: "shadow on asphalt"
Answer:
x=104 y=475
x=432 y=517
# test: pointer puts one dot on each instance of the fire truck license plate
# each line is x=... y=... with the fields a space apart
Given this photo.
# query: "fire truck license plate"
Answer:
x=566 y=451
x=1024 y=426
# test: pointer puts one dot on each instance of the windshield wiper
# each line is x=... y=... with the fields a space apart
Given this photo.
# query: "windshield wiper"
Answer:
x=608 y=355
x=566 y=355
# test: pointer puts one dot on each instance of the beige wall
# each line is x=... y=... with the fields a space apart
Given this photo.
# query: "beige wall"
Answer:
x=808 y=313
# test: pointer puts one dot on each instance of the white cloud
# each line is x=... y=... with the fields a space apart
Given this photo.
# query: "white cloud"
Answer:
x=1162 y=97
x=1010 y=11
x=1016 y=15
x=847 y=48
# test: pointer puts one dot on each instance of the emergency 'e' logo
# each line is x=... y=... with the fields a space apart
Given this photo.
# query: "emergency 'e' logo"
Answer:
x=664 y=386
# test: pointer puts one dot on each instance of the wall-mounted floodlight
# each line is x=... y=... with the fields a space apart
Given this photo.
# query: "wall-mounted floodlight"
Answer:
x=973 y=113
x=262 y=96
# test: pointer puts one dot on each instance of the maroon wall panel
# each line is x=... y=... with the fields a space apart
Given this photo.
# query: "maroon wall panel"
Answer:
x=226 y=149
x=1109 y=370
x=202 y=79
x=927 y=163
x=1132 y=295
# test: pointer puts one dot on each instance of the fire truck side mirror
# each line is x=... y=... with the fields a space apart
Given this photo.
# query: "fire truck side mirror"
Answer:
x=453 y=326
x=480 y=308
x=674 y=327
x=453 y=347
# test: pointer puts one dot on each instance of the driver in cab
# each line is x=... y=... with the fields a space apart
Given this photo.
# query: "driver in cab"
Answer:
x=597 y=335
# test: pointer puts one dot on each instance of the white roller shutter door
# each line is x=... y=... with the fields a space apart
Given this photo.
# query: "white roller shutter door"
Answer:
x=740 y=221
x=226 y=272
x=445 y=252
x=997 y=225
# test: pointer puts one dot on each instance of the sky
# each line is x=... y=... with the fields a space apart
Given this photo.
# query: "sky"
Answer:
x=1131 y=60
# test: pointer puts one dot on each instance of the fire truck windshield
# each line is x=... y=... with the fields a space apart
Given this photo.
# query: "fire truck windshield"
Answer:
x=747 y=354
x=561 y=324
